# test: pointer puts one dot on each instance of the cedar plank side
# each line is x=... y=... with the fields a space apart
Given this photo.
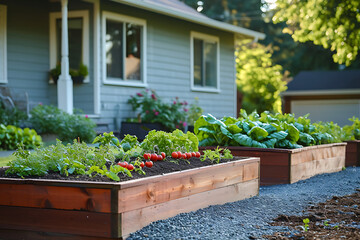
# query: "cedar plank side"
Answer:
x=56 y=221
x=54 y=197
x=353 y=153
x=11 y=234
x=137 y=219
x=178 y=186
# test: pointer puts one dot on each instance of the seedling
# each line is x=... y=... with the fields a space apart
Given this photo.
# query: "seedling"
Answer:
x=306 y=224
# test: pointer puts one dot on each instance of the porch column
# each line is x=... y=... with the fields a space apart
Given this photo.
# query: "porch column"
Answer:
x=64 y=84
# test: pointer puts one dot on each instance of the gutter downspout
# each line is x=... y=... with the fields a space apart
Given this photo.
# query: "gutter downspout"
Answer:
x=65 y=84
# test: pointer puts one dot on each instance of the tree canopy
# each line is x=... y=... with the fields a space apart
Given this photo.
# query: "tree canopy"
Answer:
x=333 y=24
x=258 y=78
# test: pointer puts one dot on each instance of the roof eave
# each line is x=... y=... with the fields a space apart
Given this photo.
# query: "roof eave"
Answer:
x=188 y=17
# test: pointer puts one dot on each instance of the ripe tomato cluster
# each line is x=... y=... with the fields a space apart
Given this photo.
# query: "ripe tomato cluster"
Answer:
x=187 y=155
x=126 y=165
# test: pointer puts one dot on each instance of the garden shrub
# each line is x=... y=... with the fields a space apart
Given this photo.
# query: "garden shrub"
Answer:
x=352 y=132
x=47 y=119
x=11 y=137
x=13 y=116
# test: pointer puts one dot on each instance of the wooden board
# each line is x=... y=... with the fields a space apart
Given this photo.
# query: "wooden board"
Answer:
x=137 y=219
x=352 y=153
x=56 y=221
x=55 y=197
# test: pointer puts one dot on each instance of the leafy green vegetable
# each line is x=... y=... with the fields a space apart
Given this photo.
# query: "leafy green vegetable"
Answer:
x=169 y=142
x=216 y=155
x=264 y=131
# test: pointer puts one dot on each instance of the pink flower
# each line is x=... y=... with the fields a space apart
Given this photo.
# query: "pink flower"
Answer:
x=184 y=124
x=139 y=94
x=174 y=102
x=153 y=96
x=177 y=126
x=86 y=116
x=185 y=103
x=180 y=121
x=40 y=103
x=181 y=103
x=185 y=109
x=156 y=113
x=154 y=110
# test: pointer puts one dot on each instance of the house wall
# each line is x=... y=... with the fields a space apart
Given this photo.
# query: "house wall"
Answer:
x=168 y=67
x=27 y=49
x=28 y=53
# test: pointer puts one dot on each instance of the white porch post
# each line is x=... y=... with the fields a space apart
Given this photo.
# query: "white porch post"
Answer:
x=65 y=85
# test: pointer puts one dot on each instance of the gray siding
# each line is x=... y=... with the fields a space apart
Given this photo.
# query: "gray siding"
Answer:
x=168 y=67
x=28 y=53
x=28 y=49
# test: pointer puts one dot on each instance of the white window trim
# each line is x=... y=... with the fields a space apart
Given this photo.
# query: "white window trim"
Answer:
x=84 y=14
x=208 y=38
x=118 y=81
x=3 y=24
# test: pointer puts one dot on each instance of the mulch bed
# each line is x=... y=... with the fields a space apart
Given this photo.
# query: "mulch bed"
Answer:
x=337 y=218
x=159 y=168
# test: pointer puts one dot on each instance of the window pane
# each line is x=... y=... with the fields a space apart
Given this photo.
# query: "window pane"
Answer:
x=198 y=59
x=133 y=52
x=210 y=64
x=75 y=35
x=114 y=49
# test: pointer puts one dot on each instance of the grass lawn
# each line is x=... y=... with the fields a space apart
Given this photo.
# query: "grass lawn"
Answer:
x=4 y=160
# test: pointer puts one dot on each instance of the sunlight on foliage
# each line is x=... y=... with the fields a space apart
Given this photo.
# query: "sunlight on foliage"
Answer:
x=260 y=81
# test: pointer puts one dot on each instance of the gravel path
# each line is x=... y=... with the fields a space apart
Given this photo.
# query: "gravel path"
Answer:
x=248 y=219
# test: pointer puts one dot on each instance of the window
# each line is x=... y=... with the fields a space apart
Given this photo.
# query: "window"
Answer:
x=124 y=53
x=78 y=35
x=3 y=58
x=204 y=62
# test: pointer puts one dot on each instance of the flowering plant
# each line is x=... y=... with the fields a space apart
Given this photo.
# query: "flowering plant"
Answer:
x=153 y=110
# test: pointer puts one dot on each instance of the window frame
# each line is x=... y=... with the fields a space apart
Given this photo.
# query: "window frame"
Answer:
x=3 y=36
x=84 y=14
x=125 y=19
x=211 y=39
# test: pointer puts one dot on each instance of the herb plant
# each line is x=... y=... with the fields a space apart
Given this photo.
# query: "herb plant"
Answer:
x=11 y=137
x=216 y=155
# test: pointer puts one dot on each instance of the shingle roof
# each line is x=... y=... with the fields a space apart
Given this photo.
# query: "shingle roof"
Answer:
x=180 y=10
x=325 y=80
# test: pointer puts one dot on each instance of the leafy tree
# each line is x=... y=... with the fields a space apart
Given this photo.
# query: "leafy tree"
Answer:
x=333 y=24
x=258 y=78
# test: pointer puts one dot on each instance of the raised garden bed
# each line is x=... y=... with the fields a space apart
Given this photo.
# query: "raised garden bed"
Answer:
x=352 y=153
x=58 y=209
x=282 y=166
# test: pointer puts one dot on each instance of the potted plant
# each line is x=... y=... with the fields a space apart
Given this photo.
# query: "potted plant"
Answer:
x=77 y=75
x=154 y=114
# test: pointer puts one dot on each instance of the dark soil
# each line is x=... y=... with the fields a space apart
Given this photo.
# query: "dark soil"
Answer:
x=337 y=218
x=159 y=168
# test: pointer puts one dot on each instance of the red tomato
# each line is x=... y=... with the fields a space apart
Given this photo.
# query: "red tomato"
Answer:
x=193 y=154
x=147 y=156
x=153 y=157
x=149 y=164
x=174 y=155
x=123 y=164
x=130 y=167
x=179 y=154
x=142 y=164
x=159 y=157
x=188 y=155
x=198 y=154
x=163 y=155
x=183 y=156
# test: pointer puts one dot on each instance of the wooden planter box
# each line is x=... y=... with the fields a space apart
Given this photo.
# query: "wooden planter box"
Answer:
x=54 y=209
x=352 y=153
x=282 y=166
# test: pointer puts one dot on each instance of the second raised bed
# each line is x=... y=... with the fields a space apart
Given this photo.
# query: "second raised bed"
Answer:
x=281 y=166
